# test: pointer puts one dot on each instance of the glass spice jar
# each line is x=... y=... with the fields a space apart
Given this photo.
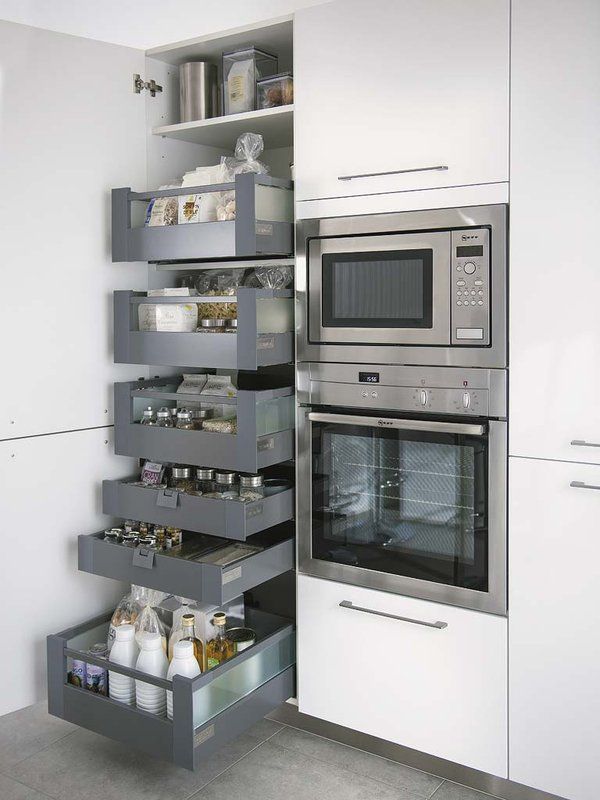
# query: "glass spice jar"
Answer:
x=227 y=483
x=163 y=418
x=175 y=535
x=185 y=420
x=160 y=535
x=205 y=480
x=251 y=488
x=213 y=326
x=148 y=417
x=200 y=415
x=181 y=480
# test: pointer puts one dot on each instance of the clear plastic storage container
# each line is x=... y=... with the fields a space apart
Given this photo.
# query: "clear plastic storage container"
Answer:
x=276 y=90
x=241 y=70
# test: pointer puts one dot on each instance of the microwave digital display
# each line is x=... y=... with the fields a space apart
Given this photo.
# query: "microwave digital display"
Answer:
x=368 y=377
x=469 y=251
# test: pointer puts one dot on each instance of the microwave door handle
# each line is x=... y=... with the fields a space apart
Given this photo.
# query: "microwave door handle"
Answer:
x=401 y=424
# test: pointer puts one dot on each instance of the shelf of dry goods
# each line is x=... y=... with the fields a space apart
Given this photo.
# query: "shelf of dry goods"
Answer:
x=208 y=711
x=182 y=572
x=229 y=519
x=265 y=427
x=256 y=344
x=264 y=224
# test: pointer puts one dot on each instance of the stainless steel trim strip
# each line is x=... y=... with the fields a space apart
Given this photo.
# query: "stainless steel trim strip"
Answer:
x=391 y=172
x=583 y=443
x=438 y=625
x=407 y=424
x=582 y=485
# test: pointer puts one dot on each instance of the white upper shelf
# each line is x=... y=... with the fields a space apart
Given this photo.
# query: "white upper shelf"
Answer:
x=275 y=124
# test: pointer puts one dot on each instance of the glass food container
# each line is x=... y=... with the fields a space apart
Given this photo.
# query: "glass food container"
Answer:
x=251 y=488
x=276 y=90
x=181 y=480
x=163 y=418
x=148 y=417
x=185 y=420
x=213 y=325
x=205 y=480
x=227 y=483
x=241 y=70
x=200 y=415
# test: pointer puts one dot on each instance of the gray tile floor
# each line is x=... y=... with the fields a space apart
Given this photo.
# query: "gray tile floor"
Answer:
x=43 y=757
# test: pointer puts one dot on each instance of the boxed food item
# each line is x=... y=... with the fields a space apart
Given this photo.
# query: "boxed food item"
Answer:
x=174 y=317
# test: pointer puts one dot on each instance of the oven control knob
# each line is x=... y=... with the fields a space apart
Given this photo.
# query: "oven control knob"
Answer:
x=470 y=267
x=466 y=400
x=424 y=397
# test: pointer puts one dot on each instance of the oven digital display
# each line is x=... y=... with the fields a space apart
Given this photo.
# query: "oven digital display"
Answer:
x=469 y=251
x=368 y=377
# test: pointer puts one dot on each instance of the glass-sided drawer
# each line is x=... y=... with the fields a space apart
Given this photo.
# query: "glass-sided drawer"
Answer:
x=196 y=568
x=264 y=337
x=264 y=423
x=231 y=519
x=208 y=711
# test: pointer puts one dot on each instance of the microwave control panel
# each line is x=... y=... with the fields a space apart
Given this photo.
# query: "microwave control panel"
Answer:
x=470 y=287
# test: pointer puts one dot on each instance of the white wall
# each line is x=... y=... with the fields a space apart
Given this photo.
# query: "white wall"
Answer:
x=145 y=23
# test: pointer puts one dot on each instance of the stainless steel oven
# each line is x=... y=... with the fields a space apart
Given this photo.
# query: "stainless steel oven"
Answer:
x=402 y=480
x=426 y=287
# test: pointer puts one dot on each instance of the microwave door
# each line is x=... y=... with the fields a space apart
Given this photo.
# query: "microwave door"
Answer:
x=389 y=289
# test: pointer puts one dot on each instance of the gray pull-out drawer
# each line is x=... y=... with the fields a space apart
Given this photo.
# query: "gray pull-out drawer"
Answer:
x=230 y=519
x=208 y=711
x=259 y=342
x=265 y=427
x=184 y=577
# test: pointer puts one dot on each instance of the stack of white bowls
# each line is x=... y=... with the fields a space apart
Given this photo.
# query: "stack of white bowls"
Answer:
x=153 y=661
x=124 y=652
x=183 y=663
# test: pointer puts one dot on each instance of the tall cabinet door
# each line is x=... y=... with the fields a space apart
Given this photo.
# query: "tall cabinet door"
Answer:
x=555 y=208
x=394 y=85
x=554 y=627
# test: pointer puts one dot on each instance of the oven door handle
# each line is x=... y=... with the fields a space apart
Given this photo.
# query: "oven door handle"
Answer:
x=402 y=424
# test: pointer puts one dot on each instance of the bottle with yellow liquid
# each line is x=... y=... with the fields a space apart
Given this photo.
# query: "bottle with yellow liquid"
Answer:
x=218 y=649
x=188 y=634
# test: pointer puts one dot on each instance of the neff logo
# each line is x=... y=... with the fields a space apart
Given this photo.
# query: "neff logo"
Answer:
x=466 y=237
x=384 y=422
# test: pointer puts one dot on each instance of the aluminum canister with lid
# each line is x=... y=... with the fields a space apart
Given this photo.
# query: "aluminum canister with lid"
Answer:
x=213 y=325
x=226 y=480
x=251 y=487
x=241 y=638
x=198 y=91
x=200 y=414
x=182 y=480
x=130 y=539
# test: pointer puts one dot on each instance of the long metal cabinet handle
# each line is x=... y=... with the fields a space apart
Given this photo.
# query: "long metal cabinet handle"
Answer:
x=582 y=485
x=438 y=625
x=405 y=424
x=391 y=172
x=583 y=443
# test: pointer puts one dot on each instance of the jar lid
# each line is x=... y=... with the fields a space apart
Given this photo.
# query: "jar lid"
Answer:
x=220 y=618
x=203 y=413
x=147 y=541
x=181 y=472
x=99 y=649
x=188 y=618
x=205 y=474
x=213 y=323
x=232 y=323
x=228 y=478
x=183 y=413
x=270 y=78
x=248 y=481
x=130 y=537
x=148 y=412
x=163 y=412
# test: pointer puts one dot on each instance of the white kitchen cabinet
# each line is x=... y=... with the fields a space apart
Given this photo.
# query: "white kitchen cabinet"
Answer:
x=554 y=627
x=554 y=211
x=394 y=85
x=439 y=690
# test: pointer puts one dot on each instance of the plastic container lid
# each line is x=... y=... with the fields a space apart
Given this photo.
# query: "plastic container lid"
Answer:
x=124 y=633
x=181 y=472
x=270 y=78
x=183 y=649
x=248 y=481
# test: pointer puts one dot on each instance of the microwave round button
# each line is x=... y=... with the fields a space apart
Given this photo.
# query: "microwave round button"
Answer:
x=458 y=268
x=478 y=282
x=473 y=292
x=470 y=268
x=460 y=283
x=473 y=303
x=374 y=394
x=480 y=292
x=480 y=302
x=365 y=394
x=459 y=303
x=459 y=294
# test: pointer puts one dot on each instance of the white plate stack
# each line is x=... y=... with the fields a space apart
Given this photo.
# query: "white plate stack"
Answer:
x=123 y=652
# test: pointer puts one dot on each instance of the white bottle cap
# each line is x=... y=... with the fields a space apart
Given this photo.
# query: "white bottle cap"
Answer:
x=124 y=633
x=150 y=641
x=183 y=650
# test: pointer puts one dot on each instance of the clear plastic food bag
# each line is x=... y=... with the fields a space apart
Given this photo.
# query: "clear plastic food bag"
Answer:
x=148 y=620
x=275 y=277
x=126 y=613
x=248 y=148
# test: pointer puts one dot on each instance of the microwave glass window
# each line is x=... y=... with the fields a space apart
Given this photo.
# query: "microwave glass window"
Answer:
x=401 y=502
x=383 y=289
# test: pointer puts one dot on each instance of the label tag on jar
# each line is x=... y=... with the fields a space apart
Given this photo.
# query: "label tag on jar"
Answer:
x=232 y=575
x=264 y=229
x=265 y=343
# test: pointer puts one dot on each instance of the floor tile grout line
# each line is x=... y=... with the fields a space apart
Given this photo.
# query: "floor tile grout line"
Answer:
x=41 y=750
x=233 y=763
x=26 y=785
x=417 y=795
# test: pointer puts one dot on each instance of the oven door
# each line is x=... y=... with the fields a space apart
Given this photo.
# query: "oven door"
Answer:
x=388 y=289
x=415 y=507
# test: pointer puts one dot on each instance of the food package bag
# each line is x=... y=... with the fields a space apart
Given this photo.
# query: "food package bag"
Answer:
x=222 y=386
x=192 y=383
x=202 y=206
x=127 y=612
x=248 y=148
x=148 y=620
x=163 y=210
x=175 y=318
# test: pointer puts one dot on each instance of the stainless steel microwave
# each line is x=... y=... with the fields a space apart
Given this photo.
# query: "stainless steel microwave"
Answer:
x=418 y=287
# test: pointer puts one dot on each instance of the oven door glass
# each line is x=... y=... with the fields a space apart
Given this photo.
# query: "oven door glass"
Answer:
x=410 y=503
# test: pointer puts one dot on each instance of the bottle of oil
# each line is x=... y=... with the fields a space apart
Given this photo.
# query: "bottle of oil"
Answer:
x=188 y=634
x=218 y=649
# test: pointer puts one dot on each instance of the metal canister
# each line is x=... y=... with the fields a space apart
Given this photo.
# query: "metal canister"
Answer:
x=130 y=539
x=95 y=675
x=241 y=638
x=198 y=91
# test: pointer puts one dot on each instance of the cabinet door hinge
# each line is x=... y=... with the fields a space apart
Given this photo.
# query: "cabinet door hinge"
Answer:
x=151 y=86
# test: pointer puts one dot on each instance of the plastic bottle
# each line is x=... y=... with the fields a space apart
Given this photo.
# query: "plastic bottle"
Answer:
x=124 y=652
x=184 y=663
x=153 y=661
